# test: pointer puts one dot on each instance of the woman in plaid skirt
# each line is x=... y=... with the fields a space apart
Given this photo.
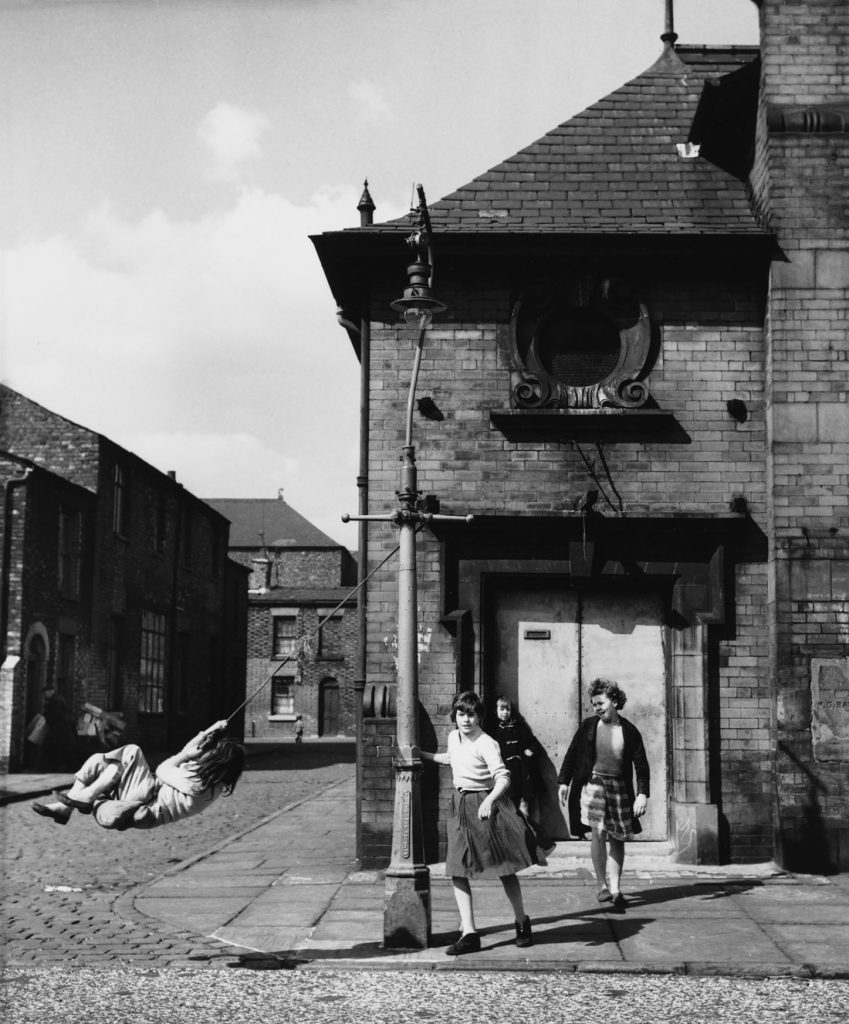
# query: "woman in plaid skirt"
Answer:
x=596 y=783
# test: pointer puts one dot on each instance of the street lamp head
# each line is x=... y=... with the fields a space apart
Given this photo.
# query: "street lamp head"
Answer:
x=418 y=302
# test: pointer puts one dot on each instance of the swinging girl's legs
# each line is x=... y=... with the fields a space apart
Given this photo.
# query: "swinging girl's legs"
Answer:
x=96 y=777
x=463 y=897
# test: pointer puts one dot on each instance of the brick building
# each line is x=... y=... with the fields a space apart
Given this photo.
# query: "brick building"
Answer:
x=116 y=591
x=298 y=577
x=642 y=378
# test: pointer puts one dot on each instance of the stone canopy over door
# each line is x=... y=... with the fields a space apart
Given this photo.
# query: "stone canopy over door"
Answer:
x=546 y=640
x=633 y=597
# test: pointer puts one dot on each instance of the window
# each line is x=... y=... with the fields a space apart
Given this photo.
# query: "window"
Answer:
x=119 y=502
x=282 y=697
x=69 y=552
x=115 y=665
x=330 y=635
x=285 y=640
x=152 y=664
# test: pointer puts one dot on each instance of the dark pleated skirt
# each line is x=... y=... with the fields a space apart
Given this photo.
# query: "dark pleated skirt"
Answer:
x=501 y=845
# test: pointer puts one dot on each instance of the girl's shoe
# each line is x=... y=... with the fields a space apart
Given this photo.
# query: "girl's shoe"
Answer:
x=60 y=817
x=604 y=895
x=468 y=943
x=68 y=801
x=523 y=933
x=619 y=903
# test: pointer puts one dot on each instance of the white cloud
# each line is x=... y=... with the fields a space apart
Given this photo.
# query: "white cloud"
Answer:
x=370 y=103
x=254 y=468
x=210 y=346
x=232 y=135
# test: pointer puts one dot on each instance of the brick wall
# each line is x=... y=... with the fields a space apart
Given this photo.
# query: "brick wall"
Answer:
x=709 y=328
x=301 y=567
x=804 y=63
x=309 y=672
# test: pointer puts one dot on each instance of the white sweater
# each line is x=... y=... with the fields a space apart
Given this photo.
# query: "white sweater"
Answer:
x=475 y=764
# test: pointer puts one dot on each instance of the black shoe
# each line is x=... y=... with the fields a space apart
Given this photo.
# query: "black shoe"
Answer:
x=523 y=933
x=68 y=801
x=619 y=903
x=47 y=812
x=468 y=943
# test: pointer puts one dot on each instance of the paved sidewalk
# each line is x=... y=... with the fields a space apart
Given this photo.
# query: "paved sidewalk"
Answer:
x=288 y=892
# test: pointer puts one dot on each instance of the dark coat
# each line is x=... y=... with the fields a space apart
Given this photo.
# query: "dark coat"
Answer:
x=578 y=764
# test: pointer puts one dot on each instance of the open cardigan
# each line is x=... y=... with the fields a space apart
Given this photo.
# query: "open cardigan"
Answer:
x=578 y=764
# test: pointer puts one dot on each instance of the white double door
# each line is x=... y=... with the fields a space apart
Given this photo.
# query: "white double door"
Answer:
x=550 y=643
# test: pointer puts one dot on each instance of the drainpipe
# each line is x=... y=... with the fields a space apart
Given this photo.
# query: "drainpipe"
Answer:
x=5 y=586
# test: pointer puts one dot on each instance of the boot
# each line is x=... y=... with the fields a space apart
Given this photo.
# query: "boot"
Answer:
x=523 y=933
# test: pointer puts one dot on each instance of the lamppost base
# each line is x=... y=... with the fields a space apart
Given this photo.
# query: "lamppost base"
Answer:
x=406 y=912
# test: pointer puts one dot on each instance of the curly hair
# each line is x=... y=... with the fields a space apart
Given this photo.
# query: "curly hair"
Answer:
x=470 y=702
x=610 y=689
x=222 y=764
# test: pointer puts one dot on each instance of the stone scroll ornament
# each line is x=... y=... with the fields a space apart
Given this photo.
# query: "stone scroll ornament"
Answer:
x=580 y=344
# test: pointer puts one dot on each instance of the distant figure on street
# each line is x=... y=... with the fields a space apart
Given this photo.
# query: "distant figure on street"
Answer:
x=486 y=836
x=299 y=729
x=121 y=791
x=596 y=782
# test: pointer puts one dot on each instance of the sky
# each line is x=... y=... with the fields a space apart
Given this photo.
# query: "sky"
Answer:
x=162 y=165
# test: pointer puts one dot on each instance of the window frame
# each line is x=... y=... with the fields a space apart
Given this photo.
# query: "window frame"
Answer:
x=153 y=663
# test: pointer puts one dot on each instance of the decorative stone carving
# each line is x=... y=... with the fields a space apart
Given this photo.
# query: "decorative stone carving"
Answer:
x=582 y=344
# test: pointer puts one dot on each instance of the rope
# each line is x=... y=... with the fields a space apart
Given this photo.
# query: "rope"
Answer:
x=304 y=640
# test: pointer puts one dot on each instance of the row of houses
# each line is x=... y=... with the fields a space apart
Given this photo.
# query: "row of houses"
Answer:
x=134 y=610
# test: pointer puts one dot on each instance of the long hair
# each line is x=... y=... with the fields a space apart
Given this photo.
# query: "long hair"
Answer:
x=220 y=765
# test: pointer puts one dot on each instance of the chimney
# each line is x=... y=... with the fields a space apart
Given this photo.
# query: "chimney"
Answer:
x=260 y=575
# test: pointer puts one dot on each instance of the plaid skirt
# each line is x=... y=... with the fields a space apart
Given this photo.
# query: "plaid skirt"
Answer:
x=501 y=845
x=605 y=806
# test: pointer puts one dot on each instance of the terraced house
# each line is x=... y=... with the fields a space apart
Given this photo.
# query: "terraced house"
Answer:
x=640 y=391
x=117 y=595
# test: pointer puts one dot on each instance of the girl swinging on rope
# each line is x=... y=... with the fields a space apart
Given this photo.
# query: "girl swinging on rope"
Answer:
x=121 y=791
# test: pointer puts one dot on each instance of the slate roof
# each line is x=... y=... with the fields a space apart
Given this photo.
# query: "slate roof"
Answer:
x=268 y=522
x=612 y=168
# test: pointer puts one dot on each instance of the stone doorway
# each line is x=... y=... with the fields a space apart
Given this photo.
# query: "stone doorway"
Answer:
x=547 y=640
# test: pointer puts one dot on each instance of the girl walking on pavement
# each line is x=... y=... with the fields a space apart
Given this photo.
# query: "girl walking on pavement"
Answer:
x=486 y=837
x=121 y=791
x=599 y=766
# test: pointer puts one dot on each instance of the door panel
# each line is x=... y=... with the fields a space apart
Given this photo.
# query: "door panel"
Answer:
x=622 y=639
x=541 y=674
x=549 y=699
x=548 y=643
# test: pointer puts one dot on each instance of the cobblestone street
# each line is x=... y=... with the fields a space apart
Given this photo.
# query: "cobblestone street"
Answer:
x=63 y=886
x=77 y=948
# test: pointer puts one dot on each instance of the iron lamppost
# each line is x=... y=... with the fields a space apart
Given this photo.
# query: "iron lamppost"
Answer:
x=406 y=918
